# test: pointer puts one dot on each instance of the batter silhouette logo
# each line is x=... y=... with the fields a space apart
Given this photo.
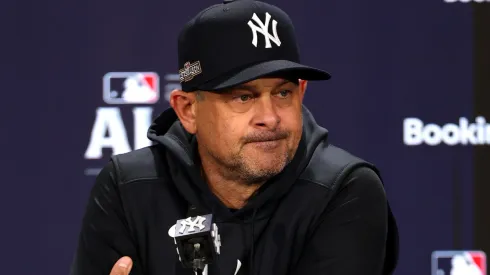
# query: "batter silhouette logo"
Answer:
x=459 y=263
x=131 y=88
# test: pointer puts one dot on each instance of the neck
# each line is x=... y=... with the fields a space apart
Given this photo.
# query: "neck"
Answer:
x=232 y=192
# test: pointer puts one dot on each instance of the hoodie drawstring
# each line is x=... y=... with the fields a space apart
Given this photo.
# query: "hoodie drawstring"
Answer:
x=252 y=271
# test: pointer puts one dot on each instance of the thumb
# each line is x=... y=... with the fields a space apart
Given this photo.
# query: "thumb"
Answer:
x=122 y=266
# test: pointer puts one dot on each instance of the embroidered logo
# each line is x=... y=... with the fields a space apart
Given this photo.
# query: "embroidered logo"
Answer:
x=189 y=71
x=263 y=28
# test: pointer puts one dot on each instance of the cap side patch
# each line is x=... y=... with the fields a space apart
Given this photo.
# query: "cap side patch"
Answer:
x=189 y=71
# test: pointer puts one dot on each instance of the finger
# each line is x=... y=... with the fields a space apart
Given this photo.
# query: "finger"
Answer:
x=122 y=266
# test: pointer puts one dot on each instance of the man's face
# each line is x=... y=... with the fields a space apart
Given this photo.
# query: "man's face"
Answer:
x=251 y=132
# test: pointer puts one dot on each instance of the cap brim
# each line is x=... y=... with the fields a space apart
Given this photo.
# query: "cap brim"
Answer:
x=264 y=69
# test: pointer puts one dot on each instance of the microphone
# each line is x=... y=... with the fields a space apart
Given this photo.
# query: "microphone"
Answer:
x=198 y=241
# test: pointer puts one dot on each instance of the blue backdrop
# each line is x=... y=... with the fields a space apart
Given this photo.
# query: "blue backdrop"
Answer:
x=389 y=59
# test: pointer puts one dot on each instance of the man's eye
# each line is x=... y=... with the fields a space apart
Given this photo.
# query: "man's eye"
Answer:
x=244 y=98
x=284 y=93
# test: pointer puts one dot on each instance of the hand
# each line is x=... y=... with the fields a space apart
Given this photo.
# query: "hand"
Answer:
x=122 y=266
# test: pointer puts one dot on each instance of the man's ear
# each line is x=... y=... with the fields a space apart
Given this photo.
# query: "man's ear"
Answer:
x=183 y=104
x=302 y=88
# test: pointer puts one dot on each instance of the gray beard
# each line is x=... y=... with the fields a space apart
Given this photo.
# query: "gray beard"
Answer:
x=235 y=168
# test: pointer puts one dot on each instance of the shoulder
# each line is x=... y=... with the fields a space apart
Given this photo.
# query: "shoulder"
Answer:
x=142 y=164
x=364 y=182
x=333 y=167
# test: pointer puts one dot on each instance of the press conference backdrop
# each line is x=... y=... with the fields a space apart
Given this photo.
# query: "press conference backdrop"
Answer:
x=409 y=92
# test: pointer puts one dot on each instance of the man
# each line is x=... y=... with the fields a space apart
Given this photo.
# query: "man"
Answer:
x=238 y=143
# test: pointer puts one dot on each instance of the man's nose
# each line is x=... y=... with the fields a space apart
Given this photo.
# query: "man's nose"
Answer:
x=266 y=115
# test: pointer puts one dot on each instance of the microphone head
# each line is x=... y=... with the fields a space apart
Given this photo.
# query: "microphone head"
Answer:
x=197 y=238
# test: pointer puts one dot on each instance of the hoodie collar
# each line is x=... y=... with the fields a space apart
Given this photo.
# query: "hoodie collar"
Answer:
x=168 y=132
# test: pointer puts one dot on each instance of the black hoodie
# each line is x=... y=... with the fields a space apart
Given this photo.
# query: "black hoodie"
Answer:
x=325 y=213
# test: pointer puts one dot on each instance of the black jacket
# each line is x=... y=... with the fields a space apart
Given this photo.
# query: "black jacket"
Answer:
x=326 y=213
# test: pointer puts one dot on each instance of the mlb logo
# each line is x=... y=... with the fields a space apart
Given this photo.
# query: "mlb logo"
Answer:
x=459 y=263
x=131 y=88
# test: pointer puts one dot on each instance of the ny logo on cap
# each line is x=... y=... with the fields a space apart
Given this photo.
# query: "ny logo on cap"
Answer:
x=263 y=28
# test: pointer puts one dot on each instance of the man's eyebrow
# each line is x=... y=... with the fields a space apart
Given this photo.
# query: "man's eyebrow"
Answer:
x=253 y=88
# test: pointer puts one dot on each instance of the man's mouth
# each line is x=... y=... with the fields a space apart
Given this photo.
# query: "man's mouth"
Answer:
x=267 y=144
x=267 y=137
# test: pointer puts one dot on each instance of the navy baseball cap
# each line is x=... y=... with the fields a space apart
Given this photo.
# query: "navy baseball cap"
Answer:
x=234 y=42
